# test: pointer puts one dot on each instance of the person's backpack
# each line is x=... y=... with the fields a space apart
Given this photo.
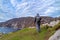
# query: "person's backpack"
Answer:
x=37 y=18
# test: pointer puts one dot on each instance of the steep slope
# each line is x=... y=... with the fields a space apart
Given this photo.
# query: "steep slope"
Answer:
x=24 y=22
x=25 y=34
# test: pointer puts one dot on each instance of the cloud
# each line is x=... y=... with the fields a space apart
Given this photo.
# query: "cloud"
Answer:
x=52 y=11
x=7 y=11
x=49 y=10
x=1 y=16
x=21 y=8
x=32 y=7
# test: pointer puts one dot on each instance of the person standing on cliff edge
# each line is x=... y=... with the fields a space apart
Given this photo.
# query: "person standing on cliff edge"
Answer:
x=37 y=22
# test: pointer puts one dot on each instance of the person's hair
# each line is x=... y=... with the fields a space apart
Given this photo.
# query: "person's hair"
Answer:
x=37 y=13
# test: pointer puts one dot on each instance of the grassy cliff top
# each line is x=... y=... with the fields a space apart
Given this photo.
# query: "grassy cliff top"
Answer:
x=27 y=34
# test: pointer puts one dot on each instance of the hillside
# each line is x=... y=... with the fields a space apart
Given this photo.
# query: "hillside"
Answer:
x=24 y=22
x=28 y=34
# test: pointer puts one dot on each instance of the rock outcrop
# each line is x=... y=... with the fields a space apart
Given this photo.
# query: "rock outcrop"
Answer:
x=56 y=36
x=52 y=23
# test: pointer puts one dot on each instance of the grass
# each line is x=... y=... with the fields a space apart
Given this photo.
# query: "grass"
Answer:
x=25 y=34
x=28 y=34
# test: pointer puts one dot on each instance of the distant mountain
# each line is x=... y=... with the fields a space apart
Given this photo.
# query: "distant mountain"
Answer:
x=25 y=22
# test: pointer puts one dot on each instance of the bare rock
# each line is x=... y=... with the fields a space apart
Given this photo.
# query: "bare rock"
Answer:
x=56 y=36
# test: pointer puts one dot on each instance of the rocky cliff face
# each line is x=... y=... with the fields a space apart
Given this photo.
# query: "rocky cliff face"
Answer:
x=25 y=22
x=18 y=22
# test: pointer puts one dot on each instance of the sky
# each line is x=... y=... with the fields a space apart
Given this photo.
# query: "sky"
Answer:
x=23 y=8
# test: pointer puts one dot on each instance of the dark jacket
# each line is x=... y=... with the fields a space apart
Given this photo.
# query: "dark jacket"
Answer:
x=37 y=20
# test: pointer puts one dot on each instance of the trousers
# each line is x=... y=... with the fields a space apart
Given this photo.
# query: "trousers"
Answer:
x=38 y=27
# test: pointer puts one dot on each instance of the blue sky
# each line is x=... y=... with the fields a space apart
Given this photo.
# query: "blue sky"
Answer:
x=21 y=8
